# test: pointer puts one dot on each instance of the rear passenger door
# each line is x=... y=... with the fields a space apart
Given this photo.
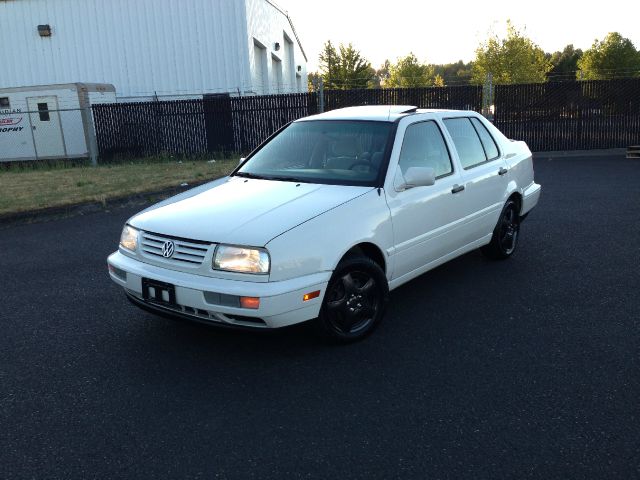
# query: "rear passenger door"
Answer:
x=484 y=174
x=424 y=218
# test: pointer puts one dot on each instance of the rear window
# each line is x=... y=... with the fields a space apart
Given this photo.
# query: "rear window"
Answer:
x=466 y=141
x=489 y=144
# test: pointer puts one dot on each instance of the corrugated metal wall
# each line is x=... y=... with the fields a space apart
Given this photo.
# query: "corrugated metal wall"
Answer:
x=266 y=25
x=168 y=47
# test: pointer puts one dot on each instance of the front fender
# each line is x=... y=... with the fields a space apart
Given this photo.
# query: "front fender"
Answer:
x=319 y=244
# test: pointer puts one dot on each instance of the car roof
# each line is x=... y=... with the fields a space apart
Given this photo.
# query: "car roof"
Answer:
x=383 y=113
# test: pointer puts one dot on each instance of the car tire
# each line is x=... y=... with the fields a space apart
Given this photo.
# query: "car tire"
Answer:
x=355 y=300
x=504 y=240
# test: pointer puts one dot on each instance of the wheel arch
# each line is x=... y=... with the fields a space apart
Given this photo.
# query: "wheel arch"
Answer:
x=370 y=250
x=516 y=197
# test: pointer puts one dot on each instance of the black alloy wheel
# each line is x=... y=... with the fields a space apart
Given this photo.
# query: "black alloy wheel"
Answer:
x=355 y=300
x=505 y=236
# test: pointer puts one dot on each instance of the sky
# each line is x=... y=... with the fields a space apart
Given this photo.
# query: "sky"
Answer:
x=450 y=30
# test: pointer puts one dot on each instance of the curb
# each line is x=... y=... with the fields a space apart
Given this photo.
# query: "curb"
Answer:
x=54 y=213
x=608 y=152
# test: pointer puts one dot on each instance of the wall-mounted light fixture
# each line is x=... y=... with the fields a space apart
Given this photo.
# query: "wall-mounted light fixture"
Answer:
x=299 y=68
x=276 y=46
x=44 y=30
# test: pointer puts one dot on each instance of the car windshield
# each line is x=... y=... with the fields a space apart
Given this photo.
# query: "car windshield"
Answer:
x=348 y=152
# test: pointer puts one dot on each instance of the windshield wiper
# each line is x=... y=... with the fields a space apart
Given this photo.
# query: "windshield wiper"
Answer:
x=280 y=178
x=251 y=175
x=287 y=179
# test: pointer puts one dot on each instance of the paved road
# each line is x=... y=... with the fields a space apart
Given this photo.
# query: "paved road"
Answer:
x=525 y=368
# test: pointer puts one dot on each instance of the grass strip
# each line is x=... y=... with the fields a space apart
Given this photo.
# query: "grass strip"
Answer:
x=29 y=189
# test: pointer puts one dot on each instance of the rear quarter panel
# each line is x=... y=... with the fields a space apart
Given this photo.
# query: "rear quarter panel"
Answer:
x=518 y=159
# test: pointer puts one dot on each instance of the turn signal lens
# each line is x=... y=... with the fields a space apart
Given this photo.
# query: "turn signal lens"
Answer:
x=310 y=295
x=250 y=302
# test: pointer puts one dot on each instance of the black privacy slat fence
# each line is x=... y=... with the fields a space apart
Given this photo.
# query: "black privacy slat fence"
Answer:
x=458 y=98
x=579 y=115
x=150 y=128
x=255 y=118
x=224 y=124
x=219 y=124
x=548 y=116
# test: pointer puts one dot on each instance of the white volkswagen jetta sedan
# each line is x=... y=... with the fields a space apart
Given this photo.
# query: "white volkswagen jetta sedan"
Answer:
x=326 y=216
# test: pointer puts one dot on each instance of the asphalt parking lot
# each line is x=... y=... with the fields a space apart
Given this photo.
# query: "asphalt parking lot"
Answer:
x=516 y=369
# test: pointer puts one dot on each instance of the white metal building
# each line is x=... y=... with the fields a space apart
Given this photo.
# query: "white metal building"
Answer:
x=147 y=48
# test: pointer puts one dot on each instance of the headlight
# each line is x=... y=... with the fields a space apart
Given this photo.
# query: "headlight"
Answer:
x=129 y=238
x=241 y=259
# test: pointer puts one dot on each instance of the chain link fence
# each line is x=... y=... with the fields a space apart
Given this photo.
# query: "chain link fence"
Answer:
x=575 y=115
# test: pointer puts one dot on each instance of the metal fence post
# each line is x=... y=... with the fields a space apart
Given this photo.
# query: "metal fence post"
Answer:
x=90 y=134
x=320 y=95
x=487 y=97
x=33 y=137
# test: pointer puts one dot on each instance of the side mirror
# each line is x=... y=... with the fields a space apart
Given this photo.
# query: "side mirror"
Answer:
x=417 y=177
x=242 y=159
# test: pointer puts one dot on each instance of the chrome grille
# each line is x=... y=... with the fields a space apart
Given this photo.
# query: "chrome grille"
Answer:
x=186 y=252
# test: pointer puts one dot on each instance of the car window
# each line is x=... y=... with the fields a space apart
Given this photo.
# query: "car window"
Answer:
x=424 y=146
x=489 y=144
x=323 y=151
x=466 y=140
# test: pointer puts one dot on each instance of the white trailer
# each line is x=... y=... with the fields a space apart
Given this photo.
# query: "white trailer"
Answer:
x=48 y=122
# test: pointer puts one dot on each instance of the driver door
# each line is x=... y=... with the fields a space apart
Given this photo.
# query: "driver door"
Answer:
x=424 y=218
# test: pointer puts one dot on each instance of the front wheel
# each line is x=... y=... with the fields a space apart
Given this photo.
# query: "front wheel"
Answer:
x=355 y=300
x=505 y=236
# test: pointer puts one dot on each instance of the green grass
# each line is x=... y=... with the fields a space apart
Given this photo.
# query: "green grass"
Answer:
x=28 y=187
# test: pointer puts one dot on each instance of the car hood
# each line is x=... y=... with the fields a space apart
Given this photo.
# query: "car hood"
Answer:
x=242 y=211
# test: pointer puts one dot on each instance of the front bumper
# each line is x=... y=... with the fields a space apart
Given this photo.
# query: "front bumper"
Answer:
x=281 y=303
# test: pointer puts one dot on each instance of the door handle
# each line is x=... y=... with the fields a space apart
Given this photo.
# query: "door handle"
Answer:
x=457 y=188
x=502 y=171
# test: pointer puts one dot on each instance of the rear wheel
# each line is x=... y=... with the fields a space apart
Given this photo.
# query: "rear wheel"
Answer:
x=505 y=236
x=355 y=300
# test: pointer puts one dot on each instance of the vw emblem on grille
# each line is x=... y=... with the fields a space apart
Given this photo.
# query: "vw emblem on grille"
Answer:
x=168 y=248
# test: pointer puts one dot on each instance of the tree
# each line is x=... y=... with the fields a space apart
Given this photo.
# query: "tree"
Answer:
x=409 y=72
x=355 y=70
x=381 y=75
x=613 y=57
x=329 y=65
x=312 y=81
x=565 y=63
x=514 y=59
x=454 y=73
x=344 y=68
x=438 y=81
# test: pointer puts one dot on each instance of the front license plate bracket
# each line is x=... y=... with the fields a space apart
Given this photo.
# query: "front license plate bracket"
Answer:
x=159 y=292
